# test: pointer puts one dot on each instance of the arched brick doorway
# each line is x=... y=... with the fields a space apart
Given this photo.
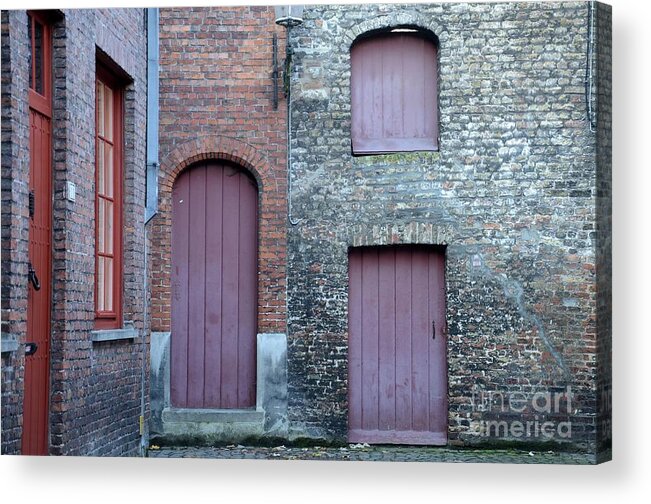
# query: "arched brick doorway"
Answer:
x=214 y=287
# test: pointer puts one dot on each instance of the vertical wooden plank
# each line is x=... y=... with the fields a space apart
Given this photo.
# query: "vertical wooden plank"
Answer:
x=213 y=302
x=356 y=94
x=41 y=197
x=388 y=77
x=179 y=281
x=421 y=332
x=374 y=74
x=230 y=287
x=403 y=341
x=437 y=346
x=430 y=85
x=398 y=98
x=414 y=87
x=387 y=339
x=197 y=286
x=30 y=424
x=366 y=99
x=355 y=339
x=370 y=335
x=247 y=290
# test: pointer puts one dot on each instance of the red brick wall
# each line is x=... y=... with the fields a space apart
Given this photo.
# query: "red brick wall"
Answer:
x=95 y=387
x=216 y=101
x=15 y=177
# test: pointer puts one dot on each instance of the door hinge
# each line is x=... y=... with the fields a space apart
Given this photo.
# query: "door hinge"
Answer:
x=31 y=204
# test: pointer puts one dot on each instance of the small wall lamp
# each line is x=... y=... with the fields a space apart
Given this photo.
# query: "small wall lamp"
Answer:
x=287 y=16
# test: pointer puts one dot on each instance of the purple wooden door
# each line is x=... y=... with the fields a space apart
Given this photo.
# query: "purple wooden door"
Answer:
x=394 y=94
x=397 y=346
x=214 y=287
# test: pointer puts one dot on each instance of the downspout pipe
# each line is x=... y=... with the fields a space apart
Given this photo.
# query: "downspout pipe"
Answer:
x=152 y=114
x=151 y=204
x=589 y=72
x=288 y=90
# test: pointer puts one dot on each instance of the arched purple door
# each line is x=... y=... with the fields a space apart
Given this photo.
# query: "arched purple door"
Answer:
x=214 y=287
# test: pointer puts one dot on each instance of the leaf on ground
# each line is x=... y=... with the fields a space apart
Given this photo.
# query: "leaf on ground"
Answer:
x=359 y=446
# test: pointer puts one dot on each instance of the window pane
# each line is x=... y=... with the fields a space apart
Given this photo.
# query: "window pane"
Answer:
x=101 y=186
x=100 y=108
x=31 y=51
x=38 y=58
x=100 y=284
x=101 y=225
x=109 y=170
x=108 y=226
x=108 y=113
x=105 y=225
x=108 y=284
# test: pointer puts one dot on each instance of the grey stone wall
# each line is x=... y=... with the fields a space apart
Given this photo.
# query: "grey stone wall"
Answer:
x=511 y=193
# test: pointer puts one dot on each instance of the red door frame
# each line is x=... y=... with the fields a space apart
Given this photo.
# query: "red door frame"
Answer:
x=35 y=435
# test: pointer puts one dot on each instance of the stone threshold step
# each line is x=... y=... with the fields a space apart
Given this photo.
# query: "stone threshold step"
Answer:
x=175 y=415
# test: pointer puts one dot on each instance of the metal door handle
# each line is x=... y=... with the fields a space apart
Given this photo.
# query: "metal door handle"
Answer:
x=33 y=279
x=30 y=348
x=433 y=329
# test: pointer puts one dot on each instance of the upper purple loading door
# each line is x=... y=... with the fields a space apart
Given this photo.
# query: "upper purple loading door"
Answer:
x=214 y=288
x=394 y=94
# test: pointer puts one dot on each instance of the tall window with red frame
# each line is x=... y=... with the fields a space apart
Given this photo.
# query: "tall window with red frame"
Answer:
x=108 y=201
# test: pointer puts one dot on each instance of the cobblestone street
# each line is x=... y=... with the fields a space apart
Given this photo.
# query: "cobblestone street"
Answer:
x=374 y=453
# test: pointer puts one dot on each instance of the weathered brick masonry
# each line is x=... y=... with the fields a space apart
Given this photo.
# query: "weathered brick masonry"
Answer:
x=15 y=176
x=95 y=387
x=603 y=105
x=216 y=102
x=519 y=192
